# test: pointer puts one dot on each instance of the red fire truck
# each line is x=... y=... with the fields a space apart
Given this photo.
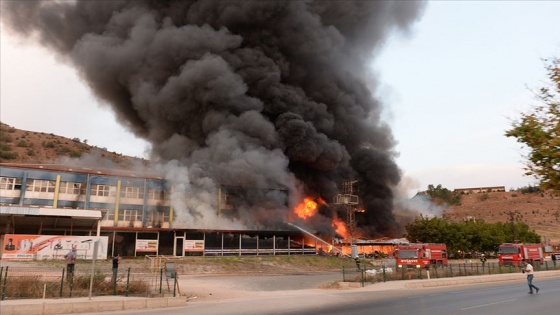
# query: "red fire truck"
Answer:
x=515 y=253
x=420 y=255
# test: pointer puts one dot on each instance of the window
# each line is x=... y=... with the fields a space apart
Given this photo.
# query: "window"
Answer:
x=156 y=216
x=7 y=183
x=41 y=185
x=408 y=254
x=100 y=190
x=70 y=188
x=131 y=215
x=109 y=215
x=132 y=192
x=156 y=194
x=508 y=250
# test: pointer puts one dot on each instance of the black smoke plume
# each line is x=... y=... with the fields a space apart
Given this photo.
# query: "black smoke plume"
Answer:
x=262 y=94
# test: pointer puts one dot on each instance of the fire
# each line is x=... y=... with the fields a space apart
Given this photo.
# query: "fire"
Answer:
x=307 y=208
x=340 y=228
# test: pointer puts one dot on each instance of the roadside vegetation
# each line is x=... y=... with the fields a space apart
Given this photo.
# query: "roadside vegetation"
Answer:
x=539 y=131
x=469 y=238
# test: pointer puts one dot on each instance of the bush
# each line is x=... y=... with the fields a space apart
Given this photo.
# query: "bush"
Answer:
x=5 y=138
x=529 y=189
x=5 y=147
x=48 y=144
x=8 y=155
x=22 y=144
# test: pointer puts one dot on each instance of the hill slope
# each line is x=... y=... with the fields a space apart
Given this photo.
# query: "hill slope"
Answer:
x=22 y=146
x=540 y=211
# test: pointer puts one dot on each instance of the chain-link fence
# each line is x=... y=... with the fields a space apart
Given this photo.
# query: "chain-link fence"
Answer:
x=385 y=273
x=56 y=282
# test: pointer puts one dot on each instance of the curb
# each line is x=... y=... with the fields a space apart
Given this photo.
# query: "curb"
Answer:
x=85 y=305
x=476 y=279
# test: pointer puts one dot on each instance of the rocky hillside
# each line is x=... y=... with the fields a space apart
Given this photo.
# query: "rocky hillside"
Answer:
x=22 y=146
x=540 y=210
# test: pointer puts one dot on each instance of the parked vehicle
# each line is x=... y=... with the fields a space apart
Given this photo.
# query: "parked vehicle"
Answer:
x=513 y=254
x=420 y=255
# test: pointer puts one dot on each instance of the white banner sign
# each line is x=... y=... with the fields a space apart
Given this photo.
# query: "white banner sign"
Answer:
x=39 y=247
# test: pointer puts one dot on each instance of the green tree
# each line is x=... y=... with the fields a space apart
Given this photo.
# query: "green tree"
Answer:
x=539 y=130
x=468 y=236
x=440 y=195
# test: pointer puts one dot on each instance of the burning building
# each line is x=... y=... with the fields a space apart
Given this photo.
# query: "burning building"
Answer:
x=272 y=95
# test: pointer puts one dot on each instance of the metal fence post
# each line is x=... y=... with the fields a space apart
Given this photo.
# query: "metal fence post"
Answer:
x=61 y=283
x=362 y=275
x=451 y=270
x=160 y=280
x=4 y=285
x=384 y=274
x=115 y=273
x=127 y=281
x=174 y=285
x=71 y=282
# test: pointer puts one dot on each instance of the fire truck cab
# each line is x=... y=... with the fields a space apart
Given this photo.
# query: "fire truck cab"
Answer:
x=515 y=253
x=420 y=255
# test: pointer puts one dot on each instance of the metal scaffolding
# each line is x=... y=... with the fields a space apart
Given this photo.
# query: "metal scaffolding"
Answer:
x=351 y=203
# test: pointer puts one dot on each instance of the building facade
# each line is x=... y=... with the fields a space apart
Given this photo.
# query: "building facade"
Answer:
x=132 y=209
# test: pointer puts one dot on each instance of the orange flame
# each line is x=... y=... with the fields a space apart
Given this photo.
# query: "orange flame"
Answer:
x=340 y=228
x=307 y=208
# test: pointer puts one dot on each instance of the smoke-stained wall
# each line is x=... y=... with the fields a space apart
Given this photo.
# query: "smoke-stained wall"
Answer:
x=265 y=94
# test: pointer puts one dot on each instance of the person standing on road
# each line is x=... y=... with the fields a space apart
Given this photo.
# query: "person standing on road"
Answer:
x=529 y=271
x=70 y=262
x=554 y=257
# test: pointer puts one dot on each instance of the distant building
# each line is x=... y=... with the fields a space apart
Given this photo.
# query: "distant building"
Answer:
x=479 y=190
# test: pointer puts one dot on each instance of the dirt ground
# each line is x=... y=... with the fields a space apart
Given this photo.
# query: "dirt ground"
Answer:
x=216 y=278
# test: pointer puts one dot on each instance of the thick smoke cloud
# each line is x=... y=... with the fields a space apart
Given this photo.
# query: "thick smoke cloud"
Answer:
x=264 y=94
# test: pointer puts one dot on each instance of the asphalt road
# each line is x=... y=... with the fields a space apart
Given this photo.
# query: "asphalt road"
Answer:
x=508 y=298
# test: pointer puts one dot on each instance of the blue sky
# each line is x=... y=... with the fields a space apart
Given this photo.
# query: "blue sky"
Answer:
x=450 y=87
x=455 y=82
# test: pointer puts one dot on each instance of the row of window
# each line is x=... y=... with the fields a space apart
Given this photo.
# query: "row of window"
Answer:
x=135 y=215
x=7 y=183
